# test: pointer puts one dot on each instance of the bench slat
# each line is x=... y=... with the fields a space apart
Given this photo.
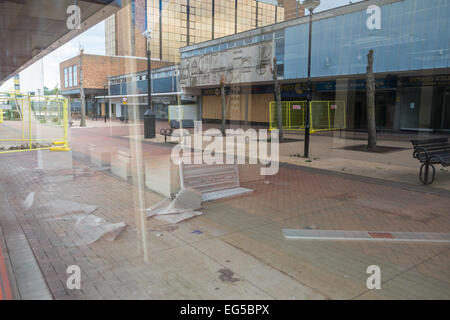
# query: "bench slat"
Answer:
x=440 y=146
x=435 y=150
x=429 y=141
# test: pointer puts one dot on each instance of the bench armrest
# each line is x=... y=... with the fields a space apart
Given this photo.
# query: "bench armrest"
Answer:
x=420 y=150
x=428 y=157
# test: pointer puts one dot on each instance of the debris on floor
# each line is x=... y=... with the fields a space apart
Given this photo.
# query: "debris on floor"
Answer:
x=168 y=228
x=77 y=221
x=197 y=232
x=179 y=209
x=176 y=218
x=91 y=228
x=58 y=208
x=28 y=202
x=226 y=275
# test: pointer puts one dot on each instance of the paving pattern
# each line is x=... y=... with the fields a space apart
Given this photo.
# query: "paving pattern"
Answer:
x=236 y=249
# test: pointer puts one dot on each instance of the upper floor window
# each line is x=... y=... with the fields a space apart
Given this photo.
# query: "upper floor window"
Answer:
x=75 y=80
x=70 y=77
x=66 y=78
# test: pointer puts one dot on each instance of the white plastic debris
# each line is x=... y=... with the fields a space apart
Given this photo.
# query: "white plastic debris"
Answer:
x=179 y=209
x=57 y=208
x=90 y=228
x=175 y=218
x=28 y=202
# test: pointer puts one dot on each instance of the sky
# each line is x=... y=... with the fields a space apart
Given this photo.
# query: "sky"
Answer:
x=93 y=42
x=330 y=4
x=32 y=78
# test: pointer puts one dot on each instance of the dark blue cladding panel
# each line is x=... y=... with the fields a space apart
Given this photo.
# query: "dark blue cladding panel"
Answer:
x=413 y=36
x=162 y=85
x=114 y=89
x=142 y=86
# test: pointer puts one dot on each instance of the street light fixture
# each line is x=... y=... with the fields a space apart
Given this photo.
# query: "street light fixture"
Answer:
x=310 y=5
x=104 y=100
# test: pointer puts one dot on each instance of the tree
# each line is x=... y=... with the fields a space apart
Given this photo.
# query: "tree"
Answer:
x=48 y=92
x=278 y=99
x=222 y=95
x=370 y=87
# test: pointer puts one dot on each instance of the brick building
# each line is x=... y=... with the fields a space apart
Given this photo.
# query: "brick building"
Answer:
x=95 y=70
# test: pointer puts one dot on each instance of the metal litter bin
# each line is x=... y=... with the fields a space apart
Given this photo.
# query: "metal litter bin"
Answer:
x=149 y=124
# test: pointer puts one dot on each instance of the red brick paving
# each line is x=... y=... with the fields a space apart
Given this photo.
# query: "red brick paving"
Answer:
x=294 y=198
x=5 y=289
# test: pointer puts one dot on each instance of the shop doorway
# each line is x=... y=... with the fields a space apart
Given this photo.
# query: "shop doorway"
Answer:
x=113 y=111
x=445 y=121
x=410 y=109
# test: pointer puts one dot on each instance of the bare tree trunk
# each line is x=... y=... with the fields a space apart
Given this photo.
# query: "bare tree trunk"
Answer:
x=83 y=99
x=19 y=108
x=278 y=99
x=370 y=87
x=69 y=111
x=222 y=95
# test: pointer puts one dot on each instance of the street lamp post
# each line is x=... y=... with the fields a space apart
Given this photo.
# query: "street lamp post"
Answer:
x=149 y=115
x=39 y=103
x=104 y=99
x=148 y=35
x=310 y=5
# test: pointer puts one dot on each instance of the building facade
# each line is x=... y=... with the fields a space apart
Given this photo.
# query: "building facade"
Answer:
x=179 y=23
x=411 y=65
x=133 y=87
x=95 y=71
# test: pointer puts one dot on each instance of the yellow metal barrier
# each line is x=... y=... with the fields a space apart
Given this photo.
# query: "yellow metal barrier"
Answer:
x=33 y=123
x=324 y=115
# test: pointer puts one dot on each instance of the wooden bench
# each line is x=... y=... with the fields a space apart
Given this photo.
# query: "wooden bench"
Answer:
x=430 y=152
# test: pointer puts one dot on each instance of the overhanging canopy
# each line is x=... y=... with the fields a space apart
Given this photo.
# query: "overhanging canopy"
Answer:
x=31 y=29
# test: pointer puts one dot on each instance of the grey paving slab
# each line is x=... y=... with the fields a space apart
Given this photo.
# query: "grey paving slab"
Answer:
x=28 y=281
